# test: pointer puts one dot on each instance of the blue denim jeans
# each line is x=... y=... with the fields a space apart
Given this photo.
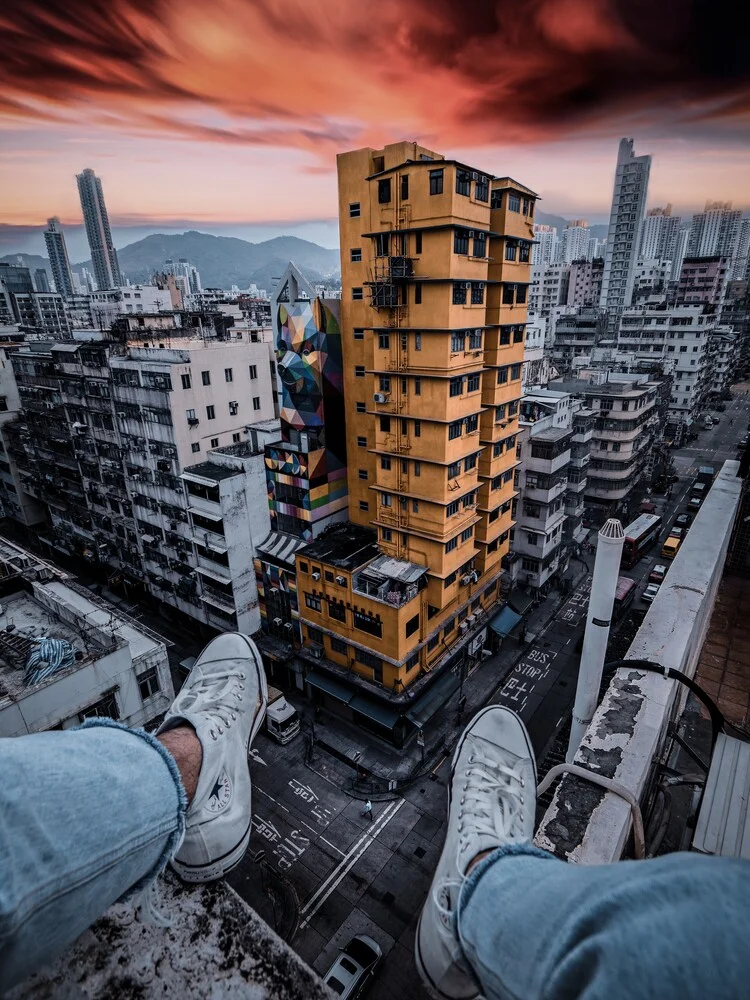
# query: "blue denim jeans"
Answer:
x=87 y=817
x=673 y=928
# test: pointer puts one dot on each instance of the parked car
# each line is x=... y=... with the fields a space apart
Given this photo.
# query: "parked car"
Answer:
x=694 y=503
x=650 y=592
x=354 y=967
x=657 y=574
x=742 y=443
x=683 y=521
x=676 y=532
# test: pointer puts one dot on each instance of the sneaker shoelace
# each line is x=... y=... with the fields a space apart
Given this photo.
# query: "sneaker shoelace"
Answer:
x=222 y=700
x=491 y=803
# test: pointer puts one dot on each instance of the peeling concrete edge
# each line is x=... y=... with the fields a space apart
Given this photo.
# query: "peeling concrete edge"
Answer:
x=583 y=824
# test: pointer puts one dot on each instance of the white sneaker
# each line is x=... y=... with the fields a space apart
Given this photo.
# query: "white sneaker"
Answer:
x=492 y=802
x=224 y=699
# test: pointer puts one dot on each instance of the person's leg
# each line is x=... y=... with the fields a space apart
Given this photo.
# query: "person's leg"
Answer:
x=535 y=927
x=90 y=815
x=86 y=816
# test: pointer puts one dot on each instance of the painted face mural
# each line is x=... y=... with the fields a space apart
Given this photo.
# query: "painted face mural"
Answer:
x=308 y=353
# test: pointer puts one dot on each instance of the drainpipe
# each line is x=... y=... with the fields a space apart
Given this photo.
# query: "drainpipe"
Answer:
x=598 y=621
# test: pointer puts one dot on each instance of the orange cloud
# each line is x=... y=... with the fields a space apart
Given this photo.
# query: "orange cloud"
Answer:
x=318 y=75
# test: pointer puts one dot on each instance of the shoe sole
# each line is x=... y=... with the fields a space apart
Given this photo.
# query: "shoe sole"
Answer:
x=222 y=866
x=426 y=980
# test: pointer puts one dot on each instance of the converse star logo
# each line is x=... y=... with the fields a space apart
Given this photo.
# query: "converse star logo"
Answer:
x=220 y=794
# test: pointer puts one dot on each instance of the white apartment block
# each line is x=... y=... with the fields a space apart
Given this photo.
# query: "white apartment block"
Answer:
x=536 y=366
x=548 y=288
x=544 y=250
x=121 y=669
x=574 y=242
x=108 y=305
x=553 y=428
x=715 y=231
x=585 y=283
x=659 y=235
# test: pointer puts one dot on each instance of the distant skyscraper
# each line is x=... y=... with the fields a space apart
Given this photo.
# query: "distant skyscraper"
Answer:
x=58 y=258
x=96 y=220
x=714 y=231
x=659 y=234
x=545 y=245
x=574 y=242
x=626 y=216
x=680 y=252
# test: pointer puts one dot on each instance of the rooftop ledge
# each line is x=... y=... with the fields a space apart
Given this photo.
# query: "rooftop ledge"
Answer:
x=216 y=947
x=583 y=824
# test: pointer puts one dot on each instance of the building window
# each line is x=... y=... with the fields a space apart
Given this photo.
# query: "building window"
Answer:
x=382 y=245
x=359 y=371
x=508 y=294
x=214 y=442
x=477 y=293
x=313 y=602
x=386 y=535
x=338 y=646
x=417 y=386
x=515 y=371
x=510 y=251
x=356 y=255
x=524 y=253
x=385 y=462
x=106 y=708
x=450 y=579
x=475 y=340
x=236 y=438
x=234 y=408
x=436 y=181
x=418 y=243
x=228 y=375
x=253 y=369
x=210 y=413
x=418 y=294
x=384 y=341
x=364 y=505
x=315 y=635
x=459 y=293
x=521 y=291
x=502 y=375
x=384 y=191
x=362 y=442
x=357 y=294
x=470 y=462
x=385 y=425
x=417 y=428
x=449 y=626
x=452 y=544
x=186 y=381
x=386 y=500
x=463 y=182
x=467 y=533
x=354 y=210
x=480 y=245
x=359 y=333
x=384 y=381
x=362 y=473
x=366 y=623
x=454 y=506
x=514 y=202
x=455 y=429
x=412 y=625
x=482 y=189
x=256 y=402
x=461 y=241
x=404 y=187
x=496 y=199
x=457 y=342
x=417 y=468
x=456 y=386
x=432 y=643
x=195 y=447
x=206 y=378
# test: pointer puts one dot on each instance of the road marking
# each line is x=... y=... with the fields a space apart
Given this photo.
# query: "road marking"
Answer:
x=339 y=873
x=333 y=847
x=309 y=827
x=275 y=801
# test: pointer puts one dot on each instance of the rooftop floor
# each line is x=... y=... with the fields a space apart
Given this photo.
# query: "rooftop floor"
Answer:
x=724 y=666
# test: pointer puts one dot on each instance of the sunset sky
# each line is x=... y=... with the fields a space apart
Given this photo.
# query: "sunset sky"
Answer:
x=232 y=111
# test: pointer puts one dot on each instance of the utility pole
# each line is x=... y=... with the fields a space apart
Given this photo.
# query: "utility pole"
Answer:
x=598 y=621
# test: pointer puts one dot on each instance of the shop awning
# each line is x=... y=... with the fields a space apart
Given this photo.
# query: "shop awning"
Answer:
x=384 y=715
x=505 y=621
x=331 y=686
x=519 y=601
x=434 y=699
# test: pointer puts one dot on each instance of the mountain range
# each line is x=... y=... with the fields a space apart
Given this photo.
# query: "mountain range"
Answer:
x=224 y=261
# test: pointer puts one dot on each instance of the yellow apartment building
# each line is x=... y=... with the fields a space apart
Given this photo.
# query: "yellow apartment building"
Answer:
x=435 y=259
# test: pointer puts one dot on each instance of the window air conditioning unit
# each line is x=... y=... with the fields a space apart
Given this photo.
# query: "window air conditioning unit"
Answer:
x=478 y=331
x=470 y=619
x=121 y=413
x=466 y=580
x=380 y=397
x=474 y=175
x=316 y=651
x=463 y=627
x=288 y=626
x=467 y=284
x=274 y=590
x=277 y=621
x=341 y=581
x=471 y=234
x=315 y=576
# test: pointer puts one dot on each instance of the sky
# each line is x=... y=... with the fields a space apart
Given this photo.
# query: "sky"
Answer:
x=227 y=116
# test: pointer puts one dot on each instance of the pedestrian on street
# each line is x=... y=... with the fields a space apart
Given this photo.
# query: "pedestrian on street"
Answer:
x=367 y=811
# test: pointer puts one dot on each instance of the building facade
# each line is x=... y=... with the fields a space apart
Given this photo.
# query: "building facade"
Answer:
x=659 y=235
x=715 y=231
x=98 y=232
x=585 y=283
x=548 y=288
x=626 y=216
x=703 y=279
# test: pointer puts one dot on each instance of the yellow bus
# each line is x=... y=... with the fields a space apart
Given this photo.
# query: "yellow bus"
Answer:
x=670 y=547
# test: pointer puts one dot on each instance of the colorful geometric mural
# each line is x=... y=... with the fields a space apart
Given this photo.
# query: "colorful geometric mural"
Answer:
x=306 y=472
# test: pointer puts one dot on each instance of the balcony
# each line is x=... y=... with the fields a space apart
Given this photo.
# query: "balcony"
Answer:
x=395 y=582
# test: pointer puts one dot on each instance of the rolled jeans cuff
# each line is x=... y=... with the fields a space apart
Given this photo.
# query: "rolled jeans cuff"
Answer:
x=176 y=837
x=525 y=849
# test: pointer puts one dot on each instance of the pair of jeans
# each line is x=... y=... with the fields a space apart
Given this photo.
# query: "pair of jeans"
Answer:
x=90 y=816
x=671 y=928
x=87 y=817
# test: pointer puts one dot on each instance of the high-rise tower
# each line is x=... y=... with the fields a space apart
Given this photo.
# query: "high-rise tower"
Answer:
x=57 y=252
x=626 y=216
x=96 y=220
